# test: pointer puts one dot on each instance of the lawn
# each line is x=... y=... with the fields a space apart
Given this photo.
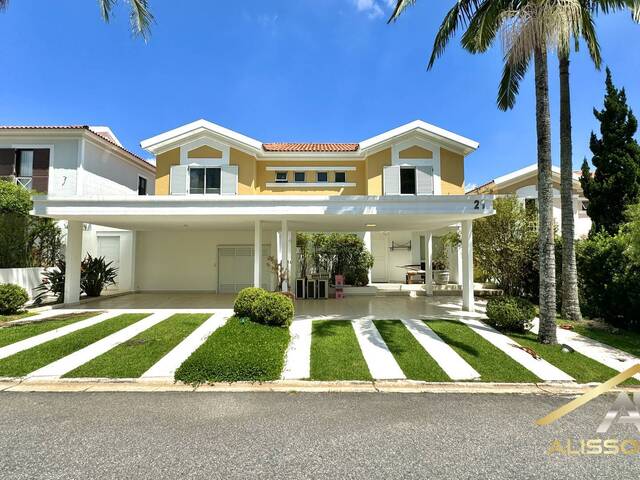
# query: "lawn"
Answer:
x=17 y=316
x=15 y=332
x=335 y=352
x=414 y=360
x=37 y=357
x=239 y=351
x=492 y=364
x=583 y=369
x=626 y=340
x=134 y=357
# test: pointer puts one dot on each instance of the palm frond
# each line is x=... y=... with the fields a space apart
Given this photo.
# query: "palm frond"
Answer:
x=512 y=74
x=3 y=4
x=590 y=38
x=105 y=9
x=141 y=18
x=484 y=26
x=400 y=7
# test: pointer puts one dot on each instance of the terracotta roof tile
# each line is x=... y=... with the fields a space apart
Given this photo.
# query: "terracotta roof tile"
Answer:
x=310 y=147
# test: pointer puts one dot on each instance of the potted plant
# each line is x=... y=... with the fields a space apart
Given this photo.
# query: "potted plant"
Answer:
x=440 y=264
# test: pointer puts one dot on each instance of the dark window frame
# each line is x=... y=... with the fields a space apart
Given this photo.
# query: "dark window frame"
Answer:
x=344 y=177
x=142 y=185
x=284 y=179
x=408 y=189
x=295 y=177
x=206 y=189
x=326 y=177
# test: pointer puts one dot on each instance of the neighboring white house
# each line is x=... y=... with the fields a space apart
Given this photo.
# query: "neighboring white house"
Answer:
x=223 y=202
x=523 y=184
x=79 y=161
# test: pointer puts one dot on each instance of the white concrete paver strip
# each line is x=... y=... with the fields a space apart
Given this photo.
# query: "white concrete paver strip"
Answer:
x=84 y=355
x=166 y=367
x=449 y=360
x=298 y=360
x=613 y=358
x=31 y=342
x=539 y=367
x=382 y=365
x=48 y=314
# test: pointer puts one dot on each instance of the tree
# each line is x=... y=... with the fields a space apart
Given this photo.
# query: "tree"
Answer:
x=615 y=184
x=141 y=17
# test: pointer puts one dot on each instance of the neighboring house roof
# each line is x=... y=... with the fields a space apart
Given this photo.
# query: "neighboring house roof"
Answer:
x=310 y=147
x=103 y=133
x=514 y=177
x=173 y=138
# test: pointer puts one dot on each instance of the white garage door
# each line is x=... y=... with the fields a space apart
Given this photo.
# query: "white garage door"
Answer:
x=235 y=268
x=109 y=248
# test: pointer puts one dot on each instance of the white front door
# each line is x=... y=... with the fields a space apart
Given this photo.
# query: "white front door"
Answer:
x=235 y=268
x=109 y=248
x=380 y=252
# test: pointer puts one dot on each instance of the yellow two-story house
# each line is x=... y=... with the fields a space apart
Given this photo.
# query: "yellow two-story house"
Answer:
x=224 y=202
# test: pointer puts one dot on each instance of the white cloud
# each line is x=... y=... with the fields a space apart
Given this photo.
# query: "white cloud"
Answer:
x=371 y=8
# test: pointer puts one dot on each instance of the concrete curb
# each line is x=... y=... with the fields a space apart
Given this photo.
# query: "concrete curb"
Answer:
x=301 y=386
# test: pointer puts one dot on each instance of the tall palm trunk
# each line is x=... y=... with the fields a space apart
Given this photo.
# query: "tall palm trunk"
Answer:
x=570 y=301
x=547 y=332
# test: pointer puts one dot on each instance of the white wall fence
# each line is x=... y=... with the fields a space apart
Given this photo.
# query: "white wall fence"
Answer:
x=27 y=278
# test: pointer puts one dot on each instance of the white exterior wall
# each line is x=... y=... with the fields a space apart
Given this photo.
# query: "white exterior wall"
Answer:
x=126 y=255
x=27 y=278
x=184 y=260
x=105 y=173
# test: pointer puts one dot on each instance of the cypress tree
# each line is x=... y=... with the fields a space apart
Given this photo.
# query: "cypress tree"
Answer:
x=615 y=183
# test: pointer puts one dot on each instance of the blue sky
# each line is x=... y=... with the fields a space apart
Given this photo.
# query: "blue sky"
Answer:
x=285 y=70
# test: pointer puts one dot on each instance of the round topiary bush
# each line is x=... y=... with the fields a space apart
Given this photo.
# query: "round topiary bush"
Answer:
x=243 y=305
x=511 y=314
x=274 y=309
x=12 y=298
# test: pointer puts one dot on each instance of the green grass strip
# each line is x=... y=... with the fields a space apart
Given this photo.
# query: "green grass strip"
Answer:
x=492 y=364
x=241 y=350
x=16 y=316
x=335 y=352
x=19 y=331
x=37 y=357
x=625 y=340
x=580 y=367
x=134 y=357
x=415 y=361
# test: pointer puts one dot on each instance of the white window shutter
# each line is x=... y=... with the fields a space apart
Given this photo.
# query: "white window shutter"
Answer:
x=178 y=179
x=391 y=180
x=229 y=180
x=424 y=180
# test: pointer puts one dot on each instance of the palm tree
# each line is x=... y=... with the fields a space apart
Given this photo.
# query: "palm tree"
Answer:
x=141 y=17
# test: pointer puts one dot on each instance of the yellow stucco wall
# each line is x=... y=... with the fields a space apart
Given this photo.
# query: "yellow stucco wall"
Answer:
x=358 y=176
x=451 y=172
x=415 y=152
x=375 y=164
x=246 y=171
x=164 y=162
x=204 y=151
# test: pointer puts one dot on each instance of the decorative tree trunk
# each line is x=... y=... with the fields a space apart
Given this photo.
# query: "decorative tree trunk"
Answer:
x=547 y=332
x=570 y=300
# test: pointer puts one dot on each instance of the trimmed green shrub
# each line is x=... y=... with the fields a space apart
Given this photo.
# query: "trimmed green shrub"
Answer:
x=12 y=298
x=243 y=305
x=513 y=314
x=273 y=309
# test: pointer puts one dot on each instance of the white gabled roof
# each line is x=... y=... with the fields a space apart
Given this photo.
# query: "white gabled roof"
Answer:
x=167 y=140
x=524 y=173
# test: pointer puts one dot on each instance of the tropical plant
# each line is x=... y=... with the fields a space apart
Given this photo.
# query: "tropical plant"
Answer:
x=141 y=17
x=96 y=274
x=52 y=283
x=615 y=184
x=280 y=270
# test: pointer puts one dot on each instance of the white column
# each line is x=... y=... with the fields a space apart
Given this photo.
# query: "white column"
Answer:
x=415 y=248
x=73 y=259
x=366 y=238
x=284 y=251
x=257 y=253
x=467 y=266
x=428 y=256
x=293 y=257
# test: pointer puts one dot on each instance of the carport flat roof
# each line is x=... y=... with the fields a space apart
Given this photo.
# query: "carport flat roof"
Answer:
x=239 y=212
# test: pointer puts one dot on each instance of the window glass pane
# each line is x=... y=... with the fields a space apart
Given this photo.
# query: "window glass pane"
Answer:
x=322 y=176
x=281 y=177
x=213 y=180
x=408 y=181
x=142 y=186
x=25 y=167
x=299 y=176
x=341 y=177
x=196 y=180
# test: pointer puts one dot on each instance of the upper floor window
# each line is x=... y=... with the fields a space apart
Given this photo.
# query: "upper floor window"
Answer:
x=341 y=177
x=322 y=177
x=298 y=177
x=24 y=164
x=281 y=177
x=142 y=186
x=204 y=180
x=408 y=181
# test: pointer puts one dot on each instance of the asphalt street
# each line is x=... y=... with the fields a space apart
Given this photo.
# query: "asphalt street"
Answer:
x=271 y=435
